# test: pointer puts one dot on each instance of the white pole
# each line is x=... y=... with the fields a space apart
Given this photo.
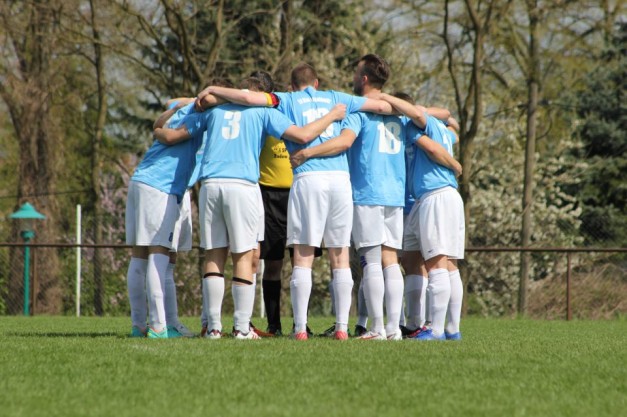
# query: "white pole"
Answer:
x=78 y=260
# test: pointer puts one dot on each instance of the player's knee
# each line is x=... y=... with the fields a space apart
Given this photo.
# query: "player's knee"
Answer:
x=369 y=255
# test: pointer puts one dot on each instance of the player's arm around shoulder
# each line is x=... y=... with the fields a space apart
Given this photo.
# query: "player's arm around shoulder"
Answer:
x=331 y=147
x=310 y=131
x=170 y=137
x=438 y=154
x=233 y=95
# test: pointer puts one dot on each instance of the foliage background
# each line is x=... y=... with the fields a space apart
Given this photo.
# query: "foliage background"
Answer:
x=82 y=81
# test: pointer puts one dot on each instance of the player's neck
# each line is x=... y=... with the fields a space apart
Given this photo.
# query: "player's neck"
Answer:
x=370 y=91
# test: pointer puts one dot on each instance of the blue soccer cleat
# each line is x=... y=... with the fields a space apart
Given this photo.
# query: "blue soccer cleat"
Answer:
x=427 y=334
x=453 y=336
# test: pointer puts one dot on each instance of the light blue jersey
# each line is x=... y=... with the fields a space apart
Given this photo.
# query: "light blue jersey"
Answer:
x=376 y=159
x=169 y=168
x=235 y=136
x=428 y=175
x=308 y=105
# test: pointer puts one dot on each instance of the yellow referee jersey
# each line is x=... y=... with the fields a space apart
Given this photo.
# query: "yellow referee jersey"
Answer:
x=274 y=164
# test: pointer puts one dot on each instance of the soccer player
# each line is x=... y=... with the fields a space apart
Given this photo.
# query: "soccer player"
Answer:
x=275 y=181
x=436 y=223
x=320 y=203
x=230 y=199
x=153 y=206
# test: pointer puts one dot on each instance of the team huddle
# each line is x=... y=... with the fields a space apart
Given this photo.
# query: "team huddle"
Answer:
x=303 y=169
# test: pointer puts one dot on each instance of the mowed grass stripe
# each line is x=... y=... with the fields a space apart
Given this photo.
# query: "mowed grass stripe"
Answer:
x=64 y=366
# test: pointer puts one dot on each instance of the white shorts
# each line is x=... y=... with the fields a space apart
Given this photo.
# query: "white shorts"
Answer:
x=435 y=225
x=230 y=211
x=377 y=225
x=150 y=217
x=182 y=241
x=320 y=207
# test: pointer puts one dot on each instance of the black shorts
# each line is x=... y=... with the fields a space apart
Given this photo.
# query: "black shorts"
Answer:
x=275 y=233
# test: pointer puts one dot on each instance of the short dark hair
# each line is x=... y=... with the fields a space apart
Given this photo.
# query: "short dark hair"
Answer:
x=404 y=96
x=266 y=80
x=252 y=84
x=220 y=82
x=376 y=69
x=303 y=74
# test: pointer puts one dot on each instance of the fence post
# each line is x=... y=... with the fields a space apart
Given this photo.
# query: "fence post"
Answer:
x=78 y=259
x=568 y=311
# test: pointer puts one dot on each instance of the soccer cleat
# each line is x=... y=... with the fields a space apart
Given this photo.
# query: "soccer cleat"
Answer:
x=340 y=335
x=213 y=334
x=397 y=335
x=370 y=335
x=137 y=332
x=453 y=336
x=173 y=333
x=360 y=330
x=328 y=332
x=153 y=334
x=427 y=334
x=406 y=331
x=415 y=333
x=300 y=336
x=203 y=331
x=260 y=332
x=182 y=330
x=251 y=335
x=274 y=332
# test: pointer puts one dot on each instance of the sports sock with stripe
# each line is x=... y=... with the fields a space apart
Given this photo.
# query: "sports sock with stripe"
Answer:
x=213 y=294
x=243 y=303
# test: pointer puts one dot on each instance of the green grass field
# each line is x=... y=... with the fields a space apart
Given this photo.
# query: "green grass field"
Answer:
x=63 y=366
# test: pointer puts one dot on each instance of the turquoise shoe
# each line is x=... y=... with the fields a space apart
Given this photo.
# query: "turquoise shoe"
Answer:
x=152 y=334
x=137 y=332
x=173 y=333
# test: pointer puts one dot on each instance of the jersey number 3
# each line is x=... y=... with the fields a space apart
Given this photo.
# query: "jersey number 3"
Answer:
x=232 y=130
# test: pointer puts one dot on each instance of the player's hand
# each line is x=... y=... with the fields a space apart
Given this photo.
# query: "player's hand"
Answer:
x=298 y=158
x=339 y=111
x=198 y=102
x=458 y=169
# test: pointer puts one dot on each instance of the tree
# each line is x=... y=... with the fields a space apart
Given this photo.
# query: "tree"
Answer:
x=30 y=71
x=603 y=130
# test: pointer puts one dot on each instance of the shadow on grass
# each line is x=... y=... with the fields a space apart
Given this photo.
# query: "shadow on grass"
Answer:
x=66 y=334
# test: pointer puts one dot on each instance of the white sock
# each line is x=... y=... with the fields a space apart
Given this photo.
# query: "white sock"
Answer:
x=394 y=287
x=300 y=291
x=171 y=308
x=454 y=311
x=415 y=290
x=155 y=288
x=136 y=285
x=343 y=289
x=362 y=309
x=213 y=294
x=440 y=289
x=332 y=295
x=243 y=303
x=374 y=289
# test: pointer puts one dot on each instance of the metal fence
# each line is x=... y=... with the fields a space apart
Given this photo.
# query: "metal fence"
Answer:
x=67 y=279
